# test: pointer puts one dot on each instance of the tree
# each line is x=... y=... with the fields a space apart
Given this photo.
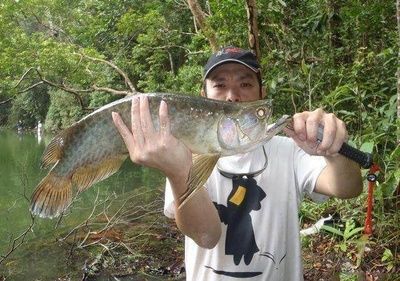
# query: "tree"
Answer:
x=200 y=18
x=251 y=8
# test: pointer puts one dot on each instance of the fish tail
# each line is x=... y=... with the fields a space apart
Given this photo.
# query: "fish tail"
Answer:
x=52 y=196
x=54 y=193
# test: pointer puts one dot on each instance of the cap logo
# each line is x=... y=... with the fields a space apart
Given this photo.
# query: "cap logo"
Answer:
x=229 y=50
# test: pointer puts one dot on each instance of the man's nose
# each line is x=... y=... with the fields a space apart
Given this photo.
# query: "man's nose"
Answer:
x=233 y=95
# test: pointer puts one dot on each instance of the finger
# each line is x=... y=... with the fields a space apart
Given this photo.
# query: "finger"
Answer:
x=312 y=123
x=289 y=132
x=340 y=137
x=123 y=130
x=329 y=134
x=145 y=116
x=165 y=126
x=136 y=122
x=299 y=126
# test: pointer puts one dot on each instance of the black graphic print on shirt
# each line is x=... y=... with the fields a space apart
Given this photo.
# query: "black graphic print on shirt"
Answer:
x=246 y=196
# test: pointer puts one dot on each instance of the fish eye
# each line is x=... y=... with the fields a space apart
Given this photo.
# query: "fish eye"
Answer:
x=261 y=113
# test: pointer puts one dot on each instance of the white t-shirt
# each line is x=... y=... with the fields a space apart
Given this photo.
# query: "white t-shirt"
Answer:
x=260 y=229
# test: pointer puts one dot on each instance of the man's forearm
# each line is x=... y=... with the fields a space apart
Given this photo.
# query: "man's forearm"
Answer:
x=198 y=218
x=340 y=178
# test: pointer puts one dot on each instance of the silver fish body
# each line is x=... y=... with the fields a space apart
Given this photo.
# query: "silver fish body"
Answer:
x=92 y=149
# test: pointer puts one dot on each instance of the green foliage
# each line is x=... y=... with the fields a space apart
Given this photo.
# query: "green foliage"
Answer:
x=341 y=56
x=349 y=234
x=98 y=99
x=29 y=108
x=63 y=111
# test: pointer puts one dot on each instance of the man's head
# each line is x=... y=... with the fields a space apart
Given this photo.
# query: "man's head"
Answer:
x=232 y=74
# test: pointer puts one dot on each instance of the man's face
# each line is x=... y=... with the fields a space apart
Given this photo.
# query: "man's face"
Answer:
x=233 y=82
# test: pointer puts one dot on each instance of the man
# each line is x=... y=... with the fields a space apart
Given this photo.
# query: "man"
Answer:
x=244 y=223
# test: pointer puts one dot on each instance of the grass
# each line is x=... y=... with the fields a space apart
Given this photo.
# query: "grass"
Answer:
x=342 y=252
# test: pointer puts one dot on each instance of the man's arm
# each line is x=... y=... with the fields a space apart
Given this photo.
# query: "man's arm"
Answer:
x=198 y=218
x=159 y=149
x=341 y=177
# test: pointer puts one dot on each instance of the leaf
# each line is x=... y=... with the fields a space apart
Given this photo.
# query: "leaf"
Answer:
x=283 y=3
x=367 y=147
x=332 y=230
x=353 y=232
x=387 y=255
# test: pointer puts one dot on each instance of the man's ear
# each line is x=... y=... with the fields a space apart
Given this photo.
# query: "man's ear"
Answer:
x=203 y=93
x=263 y=92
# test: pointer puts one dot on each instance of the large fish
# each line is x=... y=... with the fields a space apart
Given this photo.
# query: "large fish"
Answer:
x=92 y=149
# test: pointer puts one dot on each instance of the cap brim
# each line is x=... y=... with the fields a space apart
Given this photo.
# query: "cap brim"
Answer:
x=256 y=70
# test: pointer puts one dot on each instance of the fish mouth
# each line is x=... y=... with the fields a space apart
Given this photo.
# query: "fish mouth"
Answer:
x=277 y=127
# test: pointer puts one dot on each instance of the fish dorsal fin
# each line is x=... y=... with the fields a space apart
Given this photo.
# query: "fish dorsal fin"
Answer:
x=55 y=150
x=203 y=165
x=87 y=175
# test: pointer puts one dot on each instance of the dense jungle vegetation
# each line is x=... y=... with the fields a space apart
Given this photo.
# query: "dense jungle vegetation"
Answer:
x=60 y=59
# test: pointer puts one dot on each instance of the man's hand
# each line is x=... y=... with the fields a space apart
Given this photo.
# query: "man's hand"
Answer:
x=154 y=148
x=305 y=131
x=161 y=150
x=341 y=177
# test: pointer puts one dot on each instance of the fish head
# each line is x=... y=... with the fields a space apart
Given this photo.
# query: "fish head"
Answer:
x=246 y=127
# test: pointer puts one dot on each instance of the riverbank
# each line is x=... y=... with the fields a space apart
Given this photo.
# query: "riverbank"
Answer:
x=132 y=240
x=128 y=238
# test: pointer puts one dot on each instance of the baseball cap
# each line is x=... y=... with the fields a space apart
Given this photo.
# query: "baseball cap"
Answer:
x=232 y=54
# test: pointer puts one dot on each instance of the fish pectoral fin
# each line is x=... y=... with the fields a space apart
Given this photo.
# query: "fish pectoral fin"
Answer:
x=202 y=167
x=85 y=176
x=52 y=196
x=55 y=150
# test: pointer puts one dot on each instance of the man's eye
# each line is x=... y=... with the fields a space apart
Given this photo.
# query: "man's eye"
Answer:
x=218 y=85
x=245 y=84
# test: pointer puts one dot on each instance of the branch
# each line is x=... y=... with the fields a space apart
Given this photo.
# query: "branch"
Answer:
x=23 y=76
x=17 y=242
x=200 y=18
x=54 y=30
x=31 y=87
x=116 y=68
x=6 y=101
x=64 y=88
x=77 y=92
x=112 y=91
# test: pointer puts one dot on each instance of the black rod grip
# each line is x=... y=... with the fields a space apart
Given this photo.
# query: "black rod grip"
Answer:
x=362 y=158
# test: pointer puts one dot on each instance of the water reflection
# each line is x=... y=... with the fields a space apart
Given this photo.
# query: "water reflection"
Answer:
x=19 y=173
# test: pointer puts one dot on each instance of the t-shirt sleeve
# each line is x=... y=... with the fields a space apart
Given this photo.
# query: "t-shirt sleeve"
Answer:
x=169 y=201
x=308 y=169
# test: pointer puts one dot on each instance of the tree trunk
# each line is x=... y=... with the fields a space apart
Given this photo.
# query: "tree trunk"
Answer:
x=251 y=7
x=334 y=23
x=200 y=18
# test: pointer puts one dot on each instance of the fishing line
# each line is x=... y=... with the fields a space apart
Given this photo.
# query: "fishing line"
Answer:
x=247 y=175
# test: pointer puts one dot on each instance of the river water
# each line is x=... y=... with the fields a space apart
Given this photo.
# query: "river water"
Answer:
x=39 y=258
